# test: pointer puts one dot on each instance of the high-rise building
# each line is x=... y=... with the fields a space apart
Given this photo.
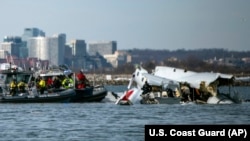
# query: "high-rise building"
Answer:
x=48 y=48
x=58 y=48
x=79 y=53
x=11 y=48
x=27 y=34
x=3 y=54
x=14 y=39
x=102 y=47
x=12 y=45
x=79 y=48
x=32 y=32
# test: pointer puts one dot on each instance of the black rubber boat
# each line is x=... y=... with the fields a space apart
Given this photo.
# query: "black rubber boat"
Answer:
x=90 y=94
x=55 y=96
x=29 y=94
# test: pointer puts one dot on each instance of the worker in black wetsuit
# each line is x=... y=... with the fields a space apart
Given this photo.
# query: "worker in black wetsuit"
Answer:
x=146 y=88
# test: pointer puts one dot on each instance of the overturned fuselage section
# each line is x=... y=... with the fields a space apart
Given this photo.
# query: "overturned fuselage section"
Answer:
x=201 y=87
x=169 y=85
x=145 y=88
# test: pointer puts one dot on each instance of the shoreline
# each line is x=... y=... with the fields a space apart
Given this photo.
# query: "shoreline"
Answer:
x=123 y=79
x=105 y=79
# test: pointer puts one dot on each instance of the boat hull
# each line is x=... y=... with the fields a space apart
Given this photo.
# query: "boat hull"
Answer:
x=90 y=94
x=58 y=96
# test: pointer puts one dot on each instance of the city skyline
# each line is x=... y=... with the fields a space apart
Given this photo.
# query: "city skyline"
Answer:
x=142 y=24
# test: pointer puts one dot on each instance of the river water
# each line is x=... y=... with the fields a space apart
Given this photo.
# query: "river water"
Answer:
x=107 y=121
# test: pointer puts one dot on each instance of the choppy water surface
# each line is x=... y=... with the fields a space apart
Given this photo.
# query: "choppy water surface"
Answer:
x=106 y=121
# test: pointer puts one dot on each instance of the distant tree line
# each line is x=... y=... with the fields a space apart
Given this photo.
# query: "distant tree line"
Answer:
x=187 y=59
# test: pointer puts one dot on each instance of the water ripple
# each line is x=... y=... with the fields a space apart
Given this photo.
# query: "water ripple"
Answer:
x=107 y=121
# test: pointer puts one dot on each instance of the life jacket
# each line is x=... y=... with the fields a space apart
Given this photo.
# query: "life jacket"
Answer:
x=21 y=84
x=13 y=85
x=49 y=82
x=42 y=83
x=80 y=76
x=67 y=83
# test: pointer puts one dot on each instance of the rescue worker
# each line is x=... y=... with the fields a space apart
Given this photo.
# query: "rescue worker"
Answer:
x=42 y=85
x=149 y=98
x=21 y=86
x=146 y=88
x=68 y=82
x=185 y=90
x=80 y=76
x=13 y=87
x=49 y=82
x=82 y=81
x=38 y=79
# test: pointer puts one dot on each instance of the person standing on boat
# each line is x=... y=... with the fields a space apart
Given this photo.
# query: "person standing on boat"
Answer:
x=80 y=76
x=13 y=87
x=42 y=85
x=82 y=81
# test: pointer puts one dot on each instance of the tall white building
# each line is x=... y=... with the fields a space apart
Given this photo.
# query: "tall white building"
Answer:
x=27 y=34
x=3 y=54
x=48 y=48
x=11 y=48
x=32 y=32
x=12 y=44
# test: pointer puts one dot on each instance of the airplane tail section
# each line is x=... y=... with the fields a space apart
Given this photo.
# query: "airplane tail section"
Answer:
x=129 y=97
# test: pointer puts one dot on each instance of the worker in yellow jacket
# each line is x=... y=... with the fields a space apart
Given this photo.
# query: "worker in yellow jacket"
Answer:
x=13 y=87
x=21 y=86
x=42 y=85
x=68 y=82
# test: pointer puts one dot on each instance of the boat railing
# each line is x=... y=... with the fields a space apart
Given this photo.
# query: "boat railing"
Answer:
x=5 y=89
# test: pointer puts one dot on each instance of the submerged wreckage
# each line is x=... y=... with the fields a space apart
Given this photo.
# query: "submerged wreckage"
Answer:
x=167 y=85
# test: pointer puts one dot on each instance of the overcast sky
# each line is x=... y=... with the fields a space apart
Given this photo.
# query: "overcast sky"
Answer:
x=151 y=24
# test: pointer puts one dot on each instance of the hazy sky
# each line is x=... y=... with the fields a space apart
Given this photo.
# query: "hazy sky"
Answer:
x=152 y=24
